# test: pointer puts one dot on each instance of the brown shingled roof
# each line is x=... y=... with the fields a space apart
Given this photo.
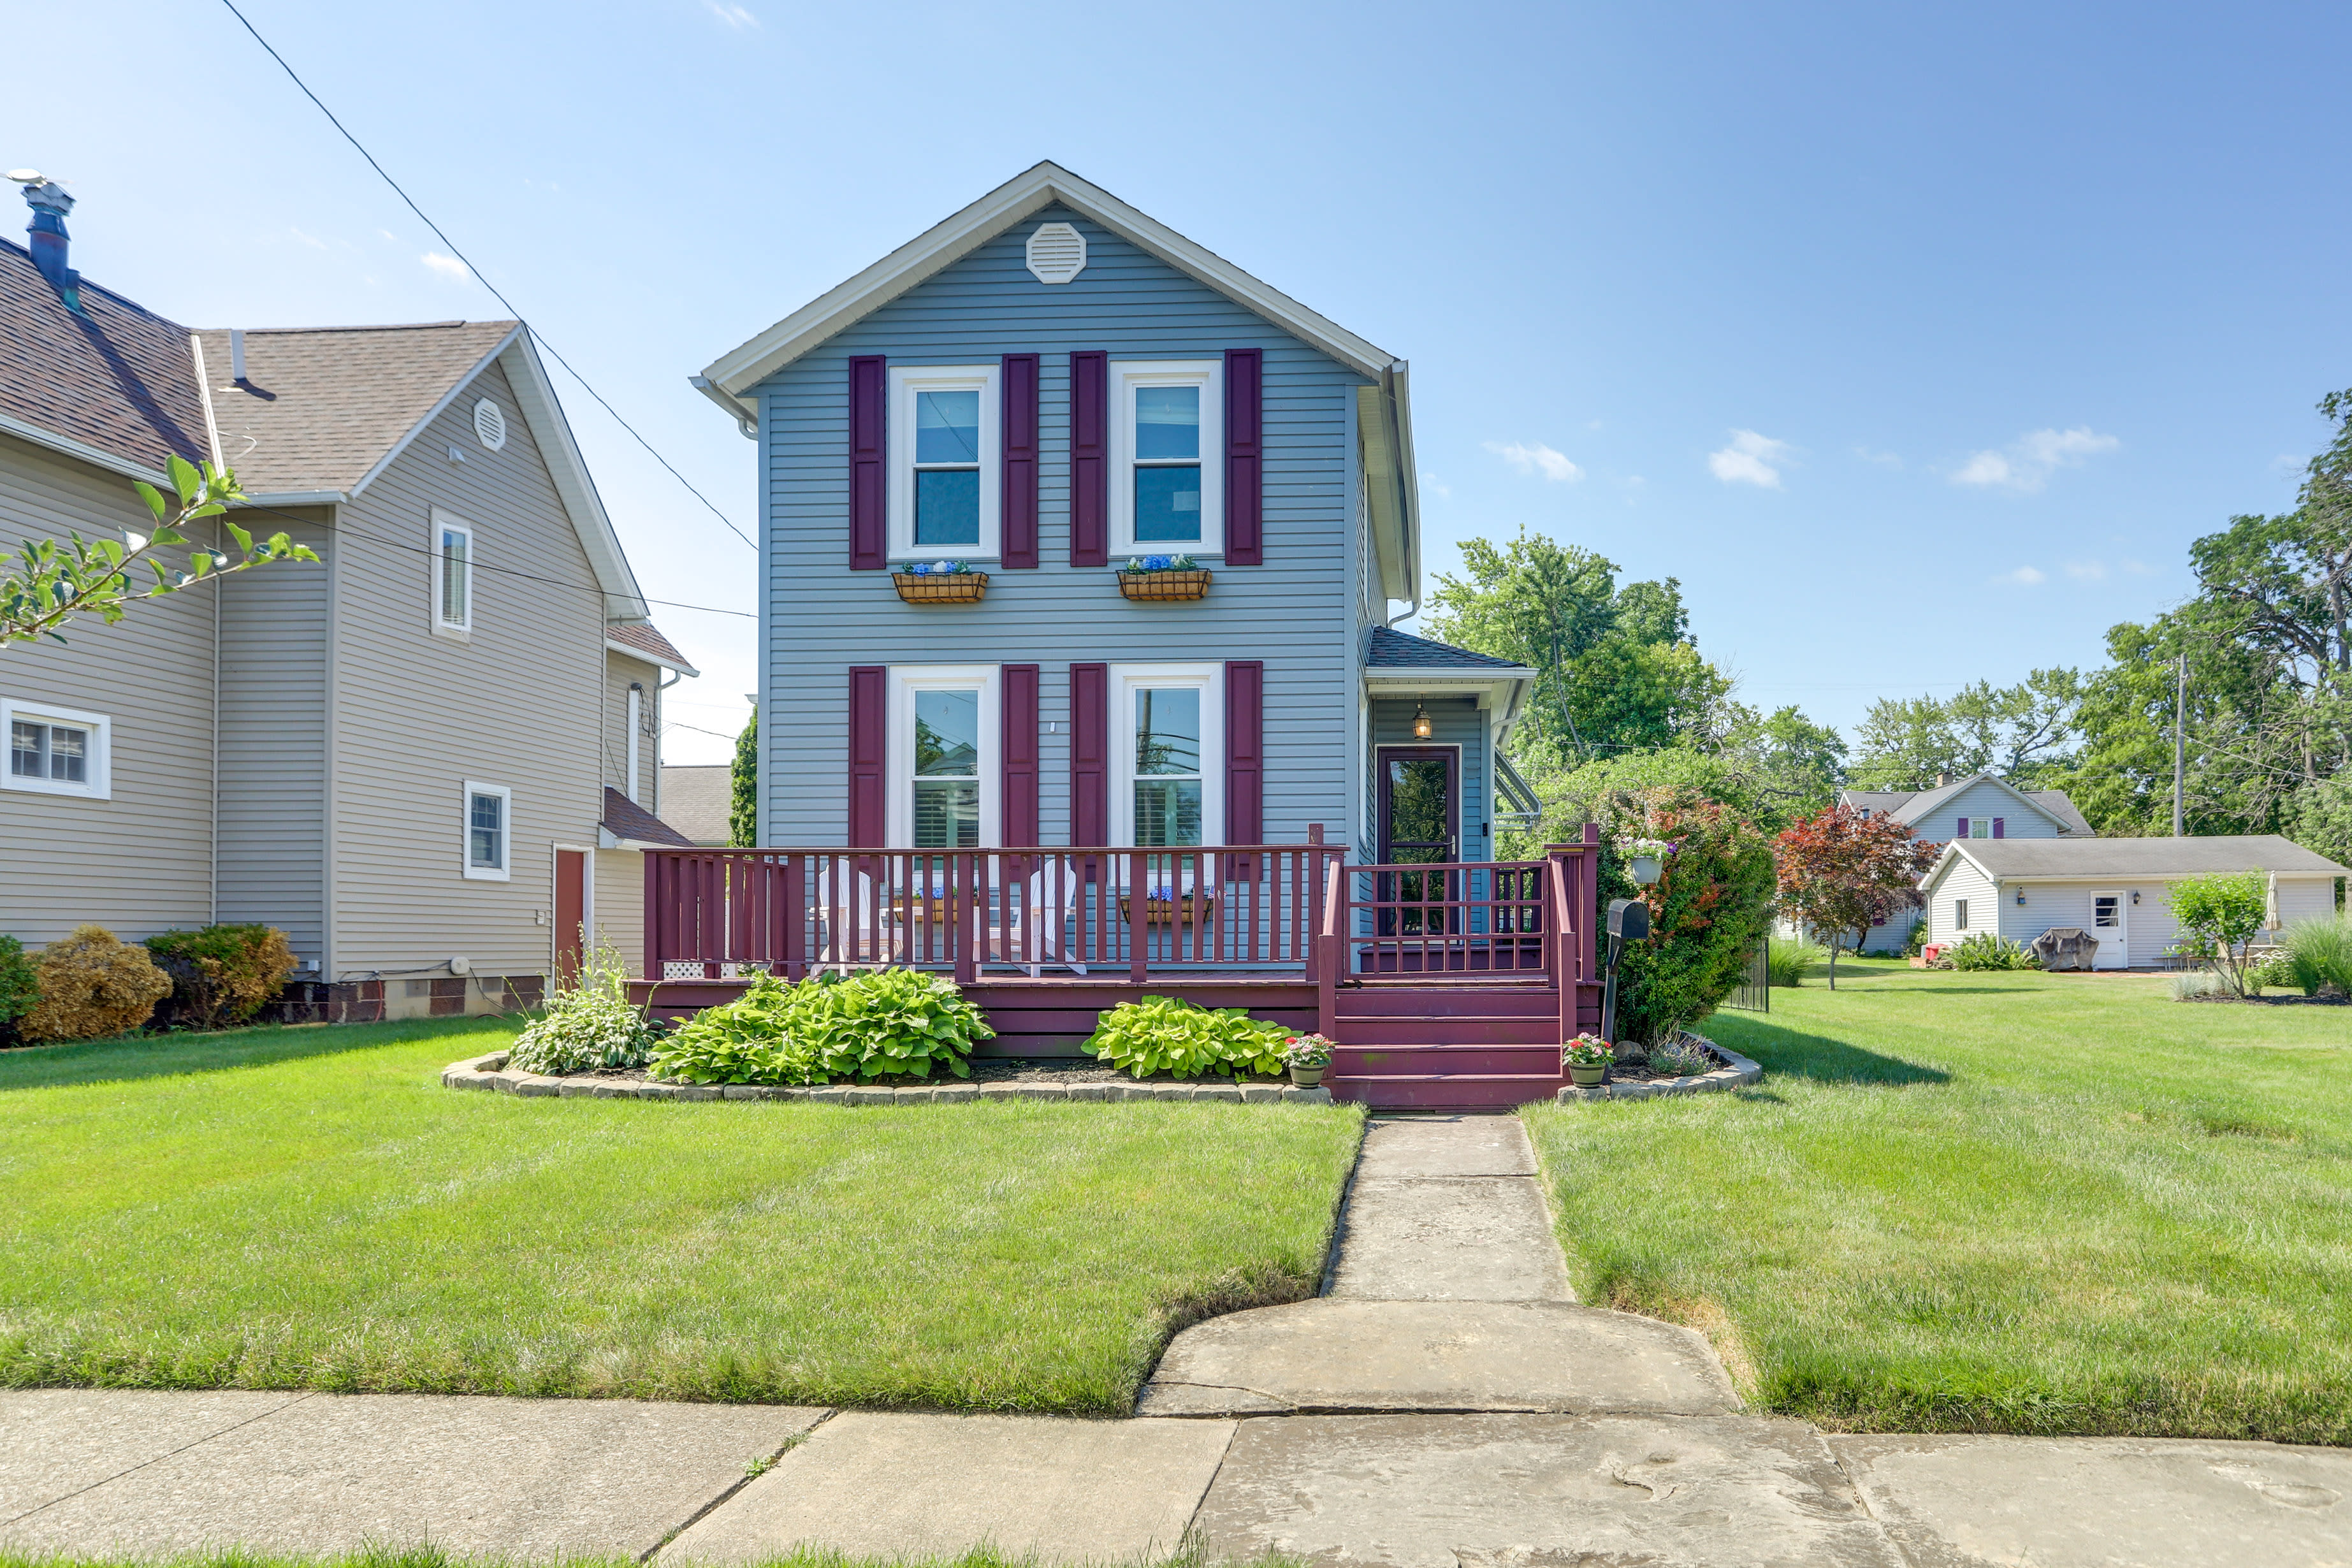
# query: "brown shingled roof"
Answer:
x=320 y=406
x=120 y=378
x=646 y=639
x=624 y=818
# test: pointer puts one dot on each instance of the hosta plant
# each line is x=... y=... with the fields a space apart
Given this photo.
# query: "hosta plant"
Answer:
x=1170 y=1035
x=748 y=1040
x=888 y=1022
x=589 y=1024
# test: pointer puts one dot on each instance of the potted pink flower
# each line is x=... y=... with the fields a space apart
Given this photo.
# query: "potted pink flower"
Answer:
x=1587 y=1059
x=1307 y=1056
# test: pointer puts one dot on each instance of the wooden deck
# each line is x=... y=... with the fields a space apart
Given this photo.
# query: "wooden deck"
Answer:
x=1444 y=987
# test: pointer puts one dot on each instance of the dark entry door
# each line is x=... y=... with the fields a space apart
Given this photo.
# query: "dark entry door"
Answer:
x=1420 y=816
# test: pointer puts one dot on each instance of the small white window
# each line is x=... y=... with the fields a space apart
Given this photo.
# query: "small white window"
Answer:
x=58 y=751
x=453 y=575
x=942 y=756
x=1959 y=914
x=1168 y=457
x=1170 y=746
x=489 y=831
x=944 y=478
x=1981 y=827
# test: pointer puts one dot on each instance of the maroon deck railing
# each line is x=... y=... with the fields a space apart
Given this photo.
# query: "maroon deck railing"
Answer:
x=720 y=913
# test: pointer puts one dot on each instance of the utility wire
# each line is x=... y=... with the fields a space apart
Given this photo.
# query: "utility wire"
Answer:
x=479 y=277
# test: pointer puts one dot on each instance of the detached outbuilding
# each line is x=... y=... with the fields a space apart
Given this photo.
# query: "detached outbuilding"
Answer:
x=2112 y=888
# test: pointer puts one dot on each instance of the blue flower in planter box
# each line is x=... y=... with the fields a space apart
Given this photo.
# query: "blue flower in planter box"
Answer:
x=1155 y=563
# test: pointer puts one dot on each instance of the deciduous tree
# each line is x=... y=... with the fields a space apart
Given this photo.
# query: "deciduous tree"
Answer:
x=1844 y=870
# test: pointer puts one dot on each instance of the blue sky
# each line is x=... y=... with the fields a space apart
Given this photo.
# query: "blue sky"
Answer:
x=1918 y=342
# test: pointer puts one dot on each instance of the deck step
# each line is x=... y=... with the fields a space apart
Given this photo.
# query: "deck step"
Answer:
x=1389 y=1000
x=1408 y=1060
x=1446 y=1091
x=1448 y=1029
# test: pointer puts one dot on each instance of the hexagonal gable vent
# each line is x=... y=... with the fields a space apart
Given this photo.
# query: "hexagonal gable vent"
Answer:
x=489 y=423
x=1057 y=253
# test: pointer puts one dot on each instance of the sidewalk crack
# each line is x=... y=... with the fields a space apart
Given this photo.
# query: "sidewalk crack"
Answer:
x=108 y=1480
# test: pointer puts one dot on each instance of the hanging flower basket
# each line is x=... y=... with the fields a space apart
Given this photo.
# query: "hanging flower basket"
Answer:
x=1162 y=577
x=940 y=583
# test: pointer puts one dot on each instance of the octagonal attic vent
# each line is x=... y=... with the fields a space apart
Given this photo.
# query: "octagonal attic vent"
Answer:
x=490 y=424
x=1057 y=253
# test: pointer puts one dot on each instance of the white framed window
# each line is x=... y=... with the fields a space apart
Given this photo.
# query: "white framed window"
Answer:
x=58 y=751
x=451 y=544
x=943 y=756
x=1959 y=914
x=1168 y=754
x=945 y=474
x=1168 y=457
x=489 y=832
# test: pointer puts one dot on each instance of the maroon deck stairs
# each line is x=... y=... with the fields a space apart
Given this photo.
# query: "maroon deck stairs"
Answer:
x=1472 y=1047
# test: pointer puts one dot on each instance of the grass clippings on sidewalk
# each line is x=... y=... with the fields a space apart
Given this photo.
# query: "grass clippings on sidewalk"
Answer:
x=2003 y=1202
x=309 y=1208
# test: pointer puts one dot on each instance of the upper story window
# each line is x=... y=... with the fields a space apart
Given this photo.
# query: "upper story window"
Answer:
x=1172 y=720
x=56 y=750
x=942 y=756
x=944 y=476
x=1168 y=451
x=490 y=830
x=453 y=575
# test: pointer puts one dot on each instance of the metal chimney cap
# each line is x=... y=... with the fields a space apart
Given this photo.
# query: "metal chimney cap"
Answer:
x=43 y=194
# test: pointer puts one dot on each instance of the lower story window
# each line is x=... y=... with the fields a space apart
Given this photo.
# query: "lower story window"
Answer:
x=1170 y=732
x=489 y=830
x=55 y=751
x=942 y=756
x=1959 y=914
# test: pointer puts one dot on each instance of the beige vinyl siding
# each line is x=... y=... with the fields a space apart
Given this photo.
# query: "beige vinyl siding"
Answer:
x=140 y=862
x=619 y=916
x=1962 y=881
x=418 y=714
x=271 y=811
x=619 y=670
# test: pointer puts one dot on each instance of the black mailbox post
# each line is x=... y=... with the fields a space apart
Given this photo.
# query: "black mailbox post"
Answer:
x=1629 y=920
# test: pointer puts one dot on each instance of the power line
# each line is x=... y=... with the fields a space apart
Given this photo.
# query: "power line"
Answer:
x=480 y=278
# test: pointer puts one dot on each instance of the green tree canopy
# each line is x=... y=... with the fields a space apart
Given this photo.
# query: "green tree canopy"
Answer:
x=2022 y=733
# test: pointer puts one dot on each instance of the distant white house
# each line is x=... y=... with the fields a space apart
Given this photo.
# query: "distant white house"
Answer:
x=2113 y=888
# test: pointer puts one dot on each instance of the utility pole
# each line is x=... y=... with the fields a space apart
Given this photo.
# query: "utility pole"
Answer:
x=2179 y=741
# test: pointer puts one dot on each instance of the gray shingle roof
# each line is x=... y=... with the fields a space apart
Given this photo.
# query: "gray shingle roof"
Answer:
x=624 y=818
x=1394 y=650
x=647 y=640
x=2146 y=857
x=118 y=378
x=320 y=406
x=1909 y=806
x=699 y=798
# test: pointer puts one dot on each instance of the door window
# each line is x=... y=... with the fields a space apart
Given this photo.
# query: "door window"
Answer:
x=2108 y=912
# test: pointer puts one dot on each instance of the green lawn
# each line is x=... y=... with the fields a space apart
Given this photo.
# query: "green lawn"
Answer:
x=309 y=1208
x=1995 y=1202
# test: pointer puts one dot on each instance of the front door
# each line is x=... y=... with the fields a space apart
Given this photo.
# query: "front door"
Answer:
x=2112 y=925
x=571 y=913
x=1420 y=814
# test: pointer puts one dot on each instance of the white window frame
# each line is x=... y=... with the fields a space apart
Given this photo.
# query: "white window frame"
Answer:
x=99 y=785
x=1979 y=827
x=1959 y=914
x=443 y=523
x=504 y=871
x=1126 y=680
x=899 y=753
x=905 y=382
x=1126 y=376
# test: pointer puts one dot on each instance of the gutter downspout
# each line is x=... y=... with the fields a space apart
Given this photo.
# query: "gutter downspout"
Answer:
x=1396 y=412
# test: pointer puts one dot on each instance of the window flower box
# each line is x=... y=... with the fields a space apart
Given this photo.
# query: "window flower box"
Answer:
x=1162 y=578
x=1160 y=908
x=940 y=583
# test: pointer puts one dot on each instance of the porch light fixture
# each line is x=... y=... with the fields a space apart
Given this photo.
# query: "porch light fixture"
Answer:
x=1421 y=725
x=2020 y=897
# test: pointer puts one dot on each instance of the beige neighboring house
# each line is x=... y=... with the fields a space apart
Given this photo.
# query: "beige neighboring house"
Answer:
x=430 y=757
x=698 y=800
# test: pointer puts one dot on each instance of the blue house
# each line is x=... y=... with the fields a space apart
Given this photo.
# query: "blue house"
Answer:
x=1077 y=536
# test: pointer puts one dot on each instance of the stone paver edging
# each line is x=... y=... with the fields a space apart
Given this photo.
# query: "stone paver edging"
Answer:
x=490 y=1072
x=1737 y=1072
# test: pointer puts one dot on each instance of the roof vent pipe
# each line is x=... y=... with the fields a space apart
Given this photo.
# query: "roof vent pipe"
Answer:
x=237 y=356
x=50 y=203
x=1943 y=779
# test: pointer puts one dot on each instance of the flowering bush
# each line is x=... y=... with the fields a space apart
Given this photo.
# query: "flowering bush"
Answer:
x=588 y=1024
x=938 y=568
x=1684 y=1057
x=1161 y=563
x=1587 y=1051
x=1307 y=1051
x=1661 y=847
x=1708 y=909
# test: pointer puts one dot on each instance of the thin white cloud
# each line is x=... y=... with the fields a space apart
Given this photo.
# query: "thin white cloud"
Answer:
x=448 y=266
x=2026 y=463
x=2087 y=570
x=1435 y=486
x=1884 y=459
x=1750 y=460
x=734 y=16
x=1534 y=458
x=2025 y=575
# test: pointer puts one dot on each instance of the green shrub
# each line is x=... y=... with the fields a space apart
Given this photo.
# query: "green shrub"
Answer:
x=93 y=984
x=221 y=975
x=20 y=987
x=588 y=1024
x=1707 y=910
x=2219 y=914
x=1986 y=951
x=1167 y=1033
x=883 y=1023
x=2318 y=952
x=1917 y=943
x=1787 y=959
x=1680 y=1058
x=2276 y=973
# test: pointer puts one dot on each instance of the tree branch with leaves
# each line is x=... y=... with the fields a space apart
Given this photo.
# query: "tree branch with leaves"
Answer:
x=1841 y=869
x=50 y=581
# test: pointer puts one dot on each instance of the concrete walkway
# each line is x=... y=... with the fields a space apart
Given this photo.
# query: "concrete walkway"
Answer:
x=1447 y=1405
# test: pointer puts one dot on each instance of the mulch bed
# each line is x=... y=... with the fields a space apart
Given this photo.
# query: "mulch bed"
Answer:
x=2287 y=1001
x=984 y=1069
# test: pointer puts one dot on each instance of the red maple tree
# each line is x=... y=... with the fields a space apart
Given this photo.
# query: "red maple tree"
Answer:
x=1841 y=869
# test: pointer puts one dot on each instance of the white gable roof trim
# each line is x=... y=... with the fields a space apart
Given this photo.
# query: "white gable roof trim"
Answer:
x=1926 y=802
x=733 y=373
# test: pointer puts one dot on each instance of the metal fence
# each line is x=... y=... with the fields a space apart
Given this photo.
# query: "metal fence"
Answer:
x=1754 y=992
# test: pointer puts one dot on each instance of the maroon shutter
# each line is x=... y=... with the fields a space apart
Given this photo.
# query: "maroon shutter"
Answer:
x=1245 y=459
x=1964 y=827
x=1244 y=751
x=1090 y=755
x=1998 y=824
x=1017 y=802
x=869 y=727
x=868 y=491
x=1090 y=459
x=1017 y=503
